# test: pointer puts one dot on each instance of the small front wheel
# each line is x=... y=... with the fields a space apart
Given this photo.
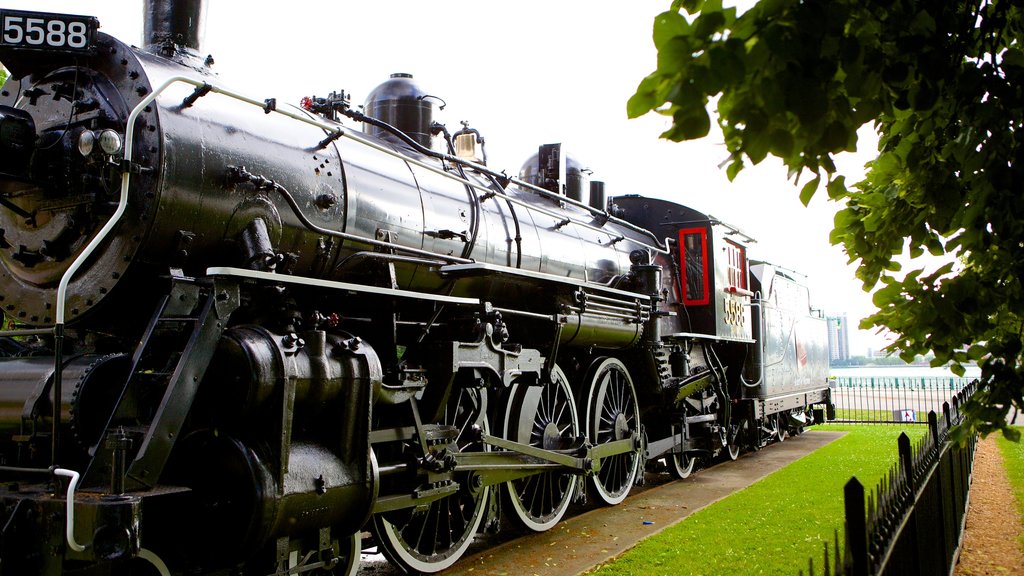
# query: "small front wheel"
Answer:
x=680 y=465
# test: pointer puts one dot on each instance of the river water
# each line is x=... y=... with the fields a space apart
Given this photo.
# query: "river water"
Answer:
x=901 y=372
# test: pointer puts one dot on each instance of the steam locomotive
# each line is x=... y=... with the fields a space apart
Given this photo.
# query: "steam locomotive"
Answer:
x=241 y=334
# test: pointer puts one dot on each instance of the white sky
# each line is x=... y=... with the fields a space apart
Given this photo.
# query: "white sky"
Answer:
x=524 y=73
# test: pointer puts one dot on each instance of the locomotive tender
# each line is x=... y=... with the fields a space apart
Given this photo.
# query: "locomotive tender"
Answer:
x=241 y=334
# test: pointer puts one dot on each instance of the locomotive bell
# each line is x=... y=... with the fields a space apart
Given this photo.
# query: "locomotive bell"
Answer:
x=401 y=103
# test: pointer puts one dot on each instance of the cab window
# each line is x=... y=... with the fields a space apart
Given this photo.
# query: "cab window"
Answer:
x=693 y=264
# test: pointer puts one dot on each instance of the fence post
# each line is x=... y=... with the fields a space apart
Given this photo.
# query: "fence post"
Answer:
x=906 y=459
x=856 y=527
x=933 y=425
x=949 y=419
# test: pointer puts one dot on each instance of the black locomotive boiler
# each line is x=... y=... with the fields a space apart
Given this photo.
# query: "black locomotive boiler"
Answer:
x=240 y=334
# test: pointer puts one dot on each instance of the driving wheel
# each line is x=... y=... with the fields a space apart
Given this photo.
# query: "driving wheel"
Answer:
x=434 y=536
x=612 y=414
x=545 y=417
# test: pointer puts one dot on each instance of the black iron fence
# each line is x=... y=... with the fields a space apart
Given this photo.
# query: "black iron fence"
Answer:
x=915 y=516
x=892 y=399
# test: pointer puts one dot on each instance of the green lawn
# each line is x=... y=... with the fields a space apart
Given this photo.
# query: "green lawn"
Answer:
x=775 y=525
x=1013 y=460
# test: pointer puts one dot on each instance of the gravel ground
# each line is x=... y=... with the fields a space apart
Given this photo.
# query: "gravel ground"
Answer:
x=991 y=543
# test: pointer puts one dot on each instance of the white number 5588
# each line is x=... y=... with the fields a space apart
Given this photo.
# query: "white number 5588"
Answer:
x=41 y=32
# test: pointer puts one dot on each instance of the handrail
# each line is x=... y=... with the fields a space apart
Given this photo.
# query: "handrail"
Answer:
x=70 y=508
x=758 y=303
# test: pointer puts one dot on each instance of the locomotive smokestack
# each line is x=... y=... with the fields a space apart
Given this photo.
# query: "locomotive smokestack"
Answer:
x=171 y=23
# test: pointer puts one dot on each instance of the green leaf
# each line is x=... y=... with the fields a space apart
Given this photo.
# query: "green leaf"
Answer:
x=726 y=66
x=711 y=6
x=836 y=188
x=668 y=25
x=734 y=168
x=708 y=23
x=923 y=96
x=691 y=6
x=1013 y=57
x=645 y=98
x=675 y=57
x=976 y=352
x=807 y=192
x=844 y=218
x=942 y=271
x=923 y=24
x=836 y=137
x=756 y=142
x=690 y=124
x=781 y=143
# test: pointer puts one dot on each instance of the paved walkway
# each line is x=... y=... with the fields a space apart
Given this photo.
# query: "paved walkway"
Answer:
x=579 y=543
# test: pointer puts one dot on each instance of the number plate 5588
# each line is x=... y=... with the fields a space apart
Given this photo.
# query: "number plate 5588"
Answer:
x=41 y=31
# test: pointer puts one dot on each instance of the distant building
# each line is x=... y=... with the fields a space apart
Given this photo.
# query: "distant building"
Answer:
x=838 y=338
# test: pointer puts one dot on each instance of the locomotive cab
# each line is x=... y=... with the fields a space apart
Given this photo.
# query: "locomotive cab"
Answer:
x=714 y=280
x=705 y=273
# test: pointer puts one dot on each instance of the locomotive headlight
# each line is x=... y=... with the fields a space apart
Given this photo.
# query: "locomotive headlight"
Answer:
x=86 y=142
x=110 y=141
